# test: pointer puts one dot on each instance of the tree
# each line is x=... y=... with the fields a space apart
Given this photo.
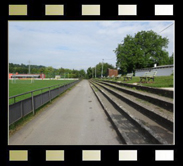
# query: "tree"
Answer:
x=34 y=71
x=49 y=71
x=105 y=69
x=142 y=50
x=61 y=71
x=89 y=72
x=42 y=70
x=82 y=73
x=67 y=72
x=171 y=59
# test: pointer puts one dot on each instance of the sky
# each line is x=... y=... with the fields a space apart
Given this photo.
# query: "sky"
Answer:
x=75 y=44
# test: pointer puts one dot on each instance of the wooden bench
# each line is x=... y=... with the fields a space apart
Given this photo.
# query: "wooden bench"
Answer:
x=143 y=77
x=128 y=76
x=148 y=75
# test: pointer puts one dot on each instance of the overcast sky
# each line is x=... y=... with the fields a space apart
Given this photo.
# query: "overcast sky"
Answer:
x=75 y=44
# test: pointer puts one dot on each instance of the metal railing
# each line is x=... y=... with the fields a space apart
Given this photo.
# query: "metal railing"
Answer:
x=21 y=108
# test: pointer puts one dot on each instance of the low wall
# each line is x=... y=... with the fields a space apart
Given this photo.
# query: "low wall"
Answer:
x=165 y=70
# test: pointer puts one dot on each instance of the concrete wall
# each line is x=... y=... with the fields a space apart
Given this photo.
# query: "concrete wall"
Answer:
x=165 y=70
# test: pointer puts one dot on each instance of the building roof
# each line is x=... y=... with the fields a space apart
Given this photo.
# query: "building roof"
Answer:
x=25 y=74
x=157 y=67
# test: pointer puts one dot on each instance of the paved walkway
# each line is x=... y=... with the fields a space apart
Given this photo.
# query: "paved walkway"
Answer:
x=74 y=119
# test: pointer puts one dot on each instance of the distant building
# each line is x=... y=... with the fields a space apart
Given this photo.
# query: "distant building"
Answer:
x=26 y=75
x=57 y=77
x=112 y=72
x=10 y=74
x=164 y=70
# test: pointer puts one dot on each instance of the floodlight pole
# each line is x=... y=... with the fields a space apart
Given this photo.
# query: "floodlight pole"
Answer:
x=95 y=71
x=29 y=66
x=92 y=72
x=102 y=69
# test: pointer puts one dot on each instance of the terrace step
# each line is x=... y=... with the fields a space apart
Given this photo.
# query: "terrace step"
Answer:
x=158 y=91
x=161 y=101
x=155 y=125
x=158 y=114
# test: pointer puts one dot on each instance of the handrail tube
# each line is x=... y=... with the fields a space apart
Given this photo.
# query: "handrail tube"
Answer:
x=35 y=90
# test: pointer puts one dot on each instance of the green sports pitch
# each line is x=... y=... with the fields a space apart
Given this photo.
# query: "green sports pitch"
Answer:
x=22 y=86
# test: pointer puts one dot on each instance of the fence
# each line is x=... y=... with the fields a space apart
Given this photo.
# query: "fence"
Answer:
x=21 y=108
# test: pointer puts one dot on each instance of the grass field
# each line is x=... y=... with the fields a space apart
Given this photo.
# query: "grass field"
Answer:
x=159 y=81
x=22 y=86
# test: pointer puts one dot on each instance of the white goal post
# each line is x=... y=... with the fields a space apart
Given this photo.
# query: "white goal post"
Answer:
x=13 y=80
x=32 y=80
x=22 y=80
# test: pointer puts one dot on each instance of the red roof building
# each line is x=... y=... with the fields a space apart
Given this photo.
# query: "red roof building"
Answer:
x=26 y=75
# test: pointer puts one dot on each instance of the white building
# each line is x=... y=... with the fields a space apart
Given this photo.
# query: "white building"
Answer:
x=165 y=70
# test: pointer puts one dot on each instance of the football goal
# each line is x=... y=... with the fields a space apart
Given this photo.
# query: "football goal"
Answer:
x=22 y=80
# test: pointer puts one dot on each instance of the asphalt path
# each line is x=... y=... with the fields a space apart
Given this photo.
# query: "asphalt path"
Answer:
x=76 y=118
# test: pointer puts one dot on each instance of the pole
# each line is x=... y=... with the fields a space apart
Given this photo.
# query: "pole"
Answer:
x=32 y=103
x=21 y=109
x=92 y=72
x=102 y=69
x=95 y=71
x=49 y=94
x=29 y=66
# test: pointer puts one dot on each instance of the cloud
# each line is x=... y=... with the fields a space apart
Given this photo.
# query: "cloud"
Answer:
x=74 y=44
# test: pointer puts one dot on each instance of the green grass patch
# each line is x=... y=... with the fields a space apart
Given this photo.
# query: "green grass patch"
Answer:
x=159 y=81
x=22 y=86
x=94 y=88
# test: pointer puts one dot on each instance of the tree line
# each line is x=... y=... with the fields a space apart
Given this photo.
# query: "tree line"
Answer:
x=49 y=71
x=98 y=68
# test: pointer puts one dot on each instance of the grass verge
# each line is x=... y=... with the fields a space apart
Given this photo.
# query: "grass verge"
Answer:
x=159 y=81
x=21 y=87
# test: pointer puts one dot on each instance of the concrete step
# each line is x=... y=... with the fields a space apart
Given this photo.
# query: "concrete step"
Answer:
x=161 y=101
x=146 y=124
x=160 y=115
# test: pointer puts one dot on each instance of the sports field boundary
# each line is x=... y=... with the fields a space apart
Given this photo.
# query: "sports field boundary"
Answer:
x=20 y=109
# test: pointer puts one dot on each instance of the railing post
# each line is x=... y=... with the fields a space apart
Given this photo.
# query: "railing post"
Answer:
x=32 y=102
x=21 y=110
x=41 y=97
x=14 y=99
x=60 y=89
x=50 y=94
